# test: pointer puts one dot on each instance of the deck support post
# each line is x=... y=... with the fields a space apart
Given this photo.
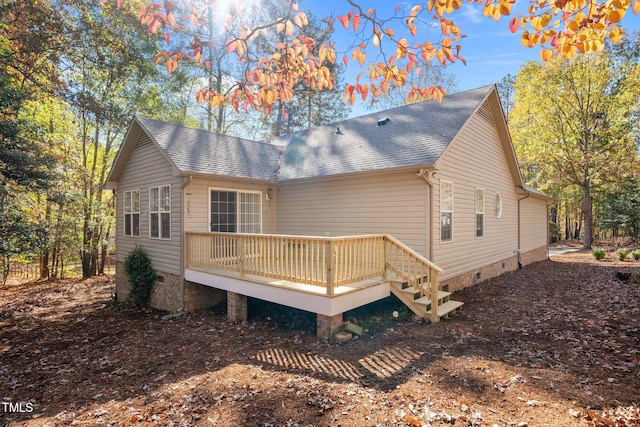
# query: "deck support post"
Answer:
x=433 y=276
x=236 y=307
x=328 y=325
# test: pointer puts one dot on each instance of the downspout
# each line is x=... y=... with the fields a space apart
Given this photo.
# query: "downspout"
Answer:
x=183 y=235
x=427 y=174
x=520 y=231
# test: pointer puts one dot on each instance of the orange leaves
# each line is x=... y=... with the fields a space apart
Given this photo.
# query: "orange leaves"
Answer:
x=402 y=48
x=568 y=27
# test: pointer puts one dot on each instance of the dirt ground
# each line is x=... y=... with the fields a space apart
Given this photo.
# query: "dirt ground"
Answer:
x=555 y=344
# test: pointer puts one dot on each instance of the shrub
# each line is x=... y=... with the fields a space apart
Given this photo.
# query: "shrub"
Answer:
x=141 y=275
x=636 y=254
x=622 y=253
x=598 y=254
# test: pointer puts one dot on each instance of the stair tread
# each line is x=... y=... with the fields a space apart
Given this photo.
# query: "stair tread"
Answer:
x=447 y=307
x=425 y=300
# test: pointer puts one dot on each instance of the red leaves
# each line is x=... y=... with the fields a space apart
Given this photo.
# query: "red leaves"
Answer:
x=514 y=24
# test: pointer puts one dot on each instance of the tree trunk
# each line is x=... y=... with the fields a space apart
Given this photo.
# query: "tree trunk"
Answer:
x=587 y=213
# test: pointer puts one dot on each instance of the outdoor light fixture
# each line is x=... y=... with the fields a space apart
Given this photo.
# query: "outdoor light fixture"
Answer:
x=269 y=194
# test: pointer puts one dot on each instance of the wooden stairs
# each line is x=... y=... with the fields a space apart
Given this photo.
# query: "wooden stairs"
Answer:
x=420 y=303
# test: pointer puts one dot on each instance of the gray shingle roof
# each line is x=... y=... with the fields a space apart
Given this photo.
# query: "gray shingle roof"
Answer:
x=415 y=134
x=201 y=152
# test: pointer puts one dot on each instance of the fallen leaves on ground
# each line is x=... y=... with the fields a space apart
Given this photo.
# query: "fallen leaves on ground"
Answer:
x=554 y=344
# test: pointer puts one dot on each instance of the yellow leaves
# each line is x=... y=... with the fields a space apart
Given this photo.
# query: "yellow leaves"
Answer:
x=616 y=34
x=546 y=54
x=402 y=48
x=359 y=55
x=327 y=53
x=636 y=6
x=301 y=20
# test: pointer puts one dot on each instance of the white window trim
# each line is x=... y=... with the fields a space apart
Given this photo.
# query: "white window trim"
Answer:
x=484 y=199
x=125 y=213
x=442 y=181
x=160 y=212
x=237 y=191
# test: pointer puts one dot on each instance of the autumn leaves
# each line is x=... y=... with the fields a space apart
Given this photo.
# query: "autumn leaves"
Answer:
x=561 y=27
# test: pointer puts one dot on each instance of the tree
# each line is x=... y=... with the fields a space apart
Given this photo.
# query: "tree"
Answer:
x=572 y=124
x=307 y=108
x=507 y=93
x=563 y=29
x=620 y=209
x=27 y=170
x=108 y=67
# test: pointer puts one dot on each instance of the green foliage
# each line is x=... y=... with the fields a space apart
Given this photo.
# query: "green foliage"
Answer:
x=622 y=253
x=141 y=275
x=554 y=232
x=598 y=254
x=620 y=209
x=573 y=126
x=635 y=255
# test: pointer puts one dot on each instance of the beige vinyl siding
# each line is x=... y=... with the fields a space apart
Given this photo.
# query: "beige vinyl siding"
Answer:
x=391 y=203
x=476 y=159
x=533 y=223
x=147 y=167
x=197 y=202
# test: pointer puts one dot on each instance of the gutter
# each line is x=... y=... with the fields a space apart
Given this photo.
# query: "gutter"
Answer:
x=183 y=235
x=427 y=174
x=519 y=250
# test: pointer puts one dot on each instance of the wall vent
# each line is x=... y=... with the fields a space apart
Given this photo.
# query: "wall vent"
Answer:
x=143 y=141
x=485 y=113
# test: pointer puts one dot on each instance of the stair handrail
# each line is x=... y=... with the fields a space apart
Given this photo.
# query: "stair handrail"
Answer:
x=413 y=280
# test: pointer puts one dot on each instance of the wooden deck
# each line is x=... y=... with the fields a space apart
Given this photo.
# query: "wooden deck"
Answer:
x=318 y=267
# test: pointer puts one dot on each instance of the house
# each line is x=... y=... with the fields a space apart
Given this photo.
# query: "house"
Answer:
x=419 y=201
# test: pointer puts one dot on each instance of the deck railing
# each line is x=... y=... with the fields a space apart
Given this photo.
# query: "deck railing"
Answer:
x=327 y=262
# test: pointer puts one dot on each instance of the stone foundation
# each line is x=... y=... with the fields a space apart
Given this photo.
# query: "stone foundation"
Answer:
x=328 y=325
x=535 y=255
x=166 y=292
x=476 y=276
x=198 y=296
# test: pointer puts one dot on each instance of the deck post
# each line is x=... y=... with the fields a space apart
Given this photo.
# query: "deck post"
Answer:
x=433 y=275
x=242 y=253
x=328 y=325
x=236 y=307
x=331 y=267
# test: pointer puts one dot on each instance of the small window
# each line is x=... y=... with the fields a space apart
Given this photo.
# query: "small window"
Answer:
x=498 y=206
x=479 y=212
x=446 y=211
x=132 y=213
x=160 y=212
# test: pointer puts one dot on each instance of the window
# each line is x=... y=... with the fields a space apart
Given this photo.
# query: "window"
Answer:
x=446 y=211
x=479 y=212
x=236 y=211
x=160 y=212
x=498 y=205
x=132 y=213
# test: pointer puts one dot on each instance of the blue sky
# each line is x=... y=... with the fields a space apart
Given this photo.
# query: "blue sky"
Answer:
x=490 y=49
